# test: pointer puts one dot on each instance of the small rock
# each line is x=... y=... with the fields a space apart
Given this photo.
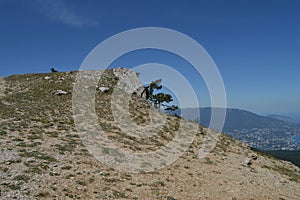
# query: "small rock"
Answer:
x=248 y=161
x=60 y=92
x=254 y=157
x=104 y=89
x=6 y=103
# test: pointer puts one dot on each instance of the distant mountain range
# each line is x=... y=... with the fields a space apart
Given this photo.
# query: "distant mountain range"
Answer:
x=263 y=132
x=282 y=118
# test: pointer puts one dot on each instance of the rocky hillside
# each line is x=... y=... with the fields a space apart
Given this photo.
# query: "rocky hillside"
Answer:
x=44 y=157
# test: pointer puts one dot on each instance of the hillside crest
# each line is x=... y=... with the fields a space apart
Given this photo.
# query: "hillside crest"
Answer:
x=43 y=155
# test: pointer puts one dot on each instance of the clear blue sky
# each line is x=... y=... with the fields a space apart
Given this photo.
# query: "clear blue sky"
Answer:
x=255 y=44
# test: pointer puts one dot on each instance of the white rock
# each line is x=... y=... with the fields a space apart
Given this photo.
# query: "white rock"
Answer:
x=104 y=89
x=60 y=92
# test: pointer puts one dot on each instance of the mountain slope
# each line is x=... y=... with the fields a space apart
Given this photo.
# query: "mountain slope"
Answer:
x=43 y=157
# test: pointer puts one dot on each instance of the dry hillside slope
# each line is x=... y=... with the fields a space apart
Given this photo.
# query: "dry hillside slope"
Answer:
x=42 y=156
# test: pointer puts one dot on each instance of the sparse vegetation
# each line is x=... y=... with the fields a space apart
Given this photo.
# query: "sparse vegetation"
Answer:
x=37 y=155
x=118 y=194
x=42 y=156
x=21 y=178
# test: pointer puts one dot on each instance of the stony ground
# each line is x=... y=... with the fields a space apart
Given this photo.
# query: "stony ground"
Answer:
x=42 y=156
x=2 y=86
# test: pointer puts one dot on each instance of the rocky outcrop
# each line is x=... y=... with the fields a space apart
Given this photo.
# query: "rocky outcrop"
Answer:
x=128 y=80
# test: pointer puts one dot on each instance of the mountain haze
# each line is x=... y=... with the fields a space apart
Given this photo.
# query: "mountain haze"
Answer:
x=235 y=118
x=261 y=132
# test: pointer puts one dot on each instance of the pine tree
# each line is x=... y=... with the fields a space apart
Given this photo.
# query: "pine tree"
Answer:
x=158 y=99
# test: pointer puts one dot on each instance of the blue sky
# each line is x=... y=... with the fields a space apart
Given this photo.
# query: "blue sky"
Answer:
x=255 y=44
